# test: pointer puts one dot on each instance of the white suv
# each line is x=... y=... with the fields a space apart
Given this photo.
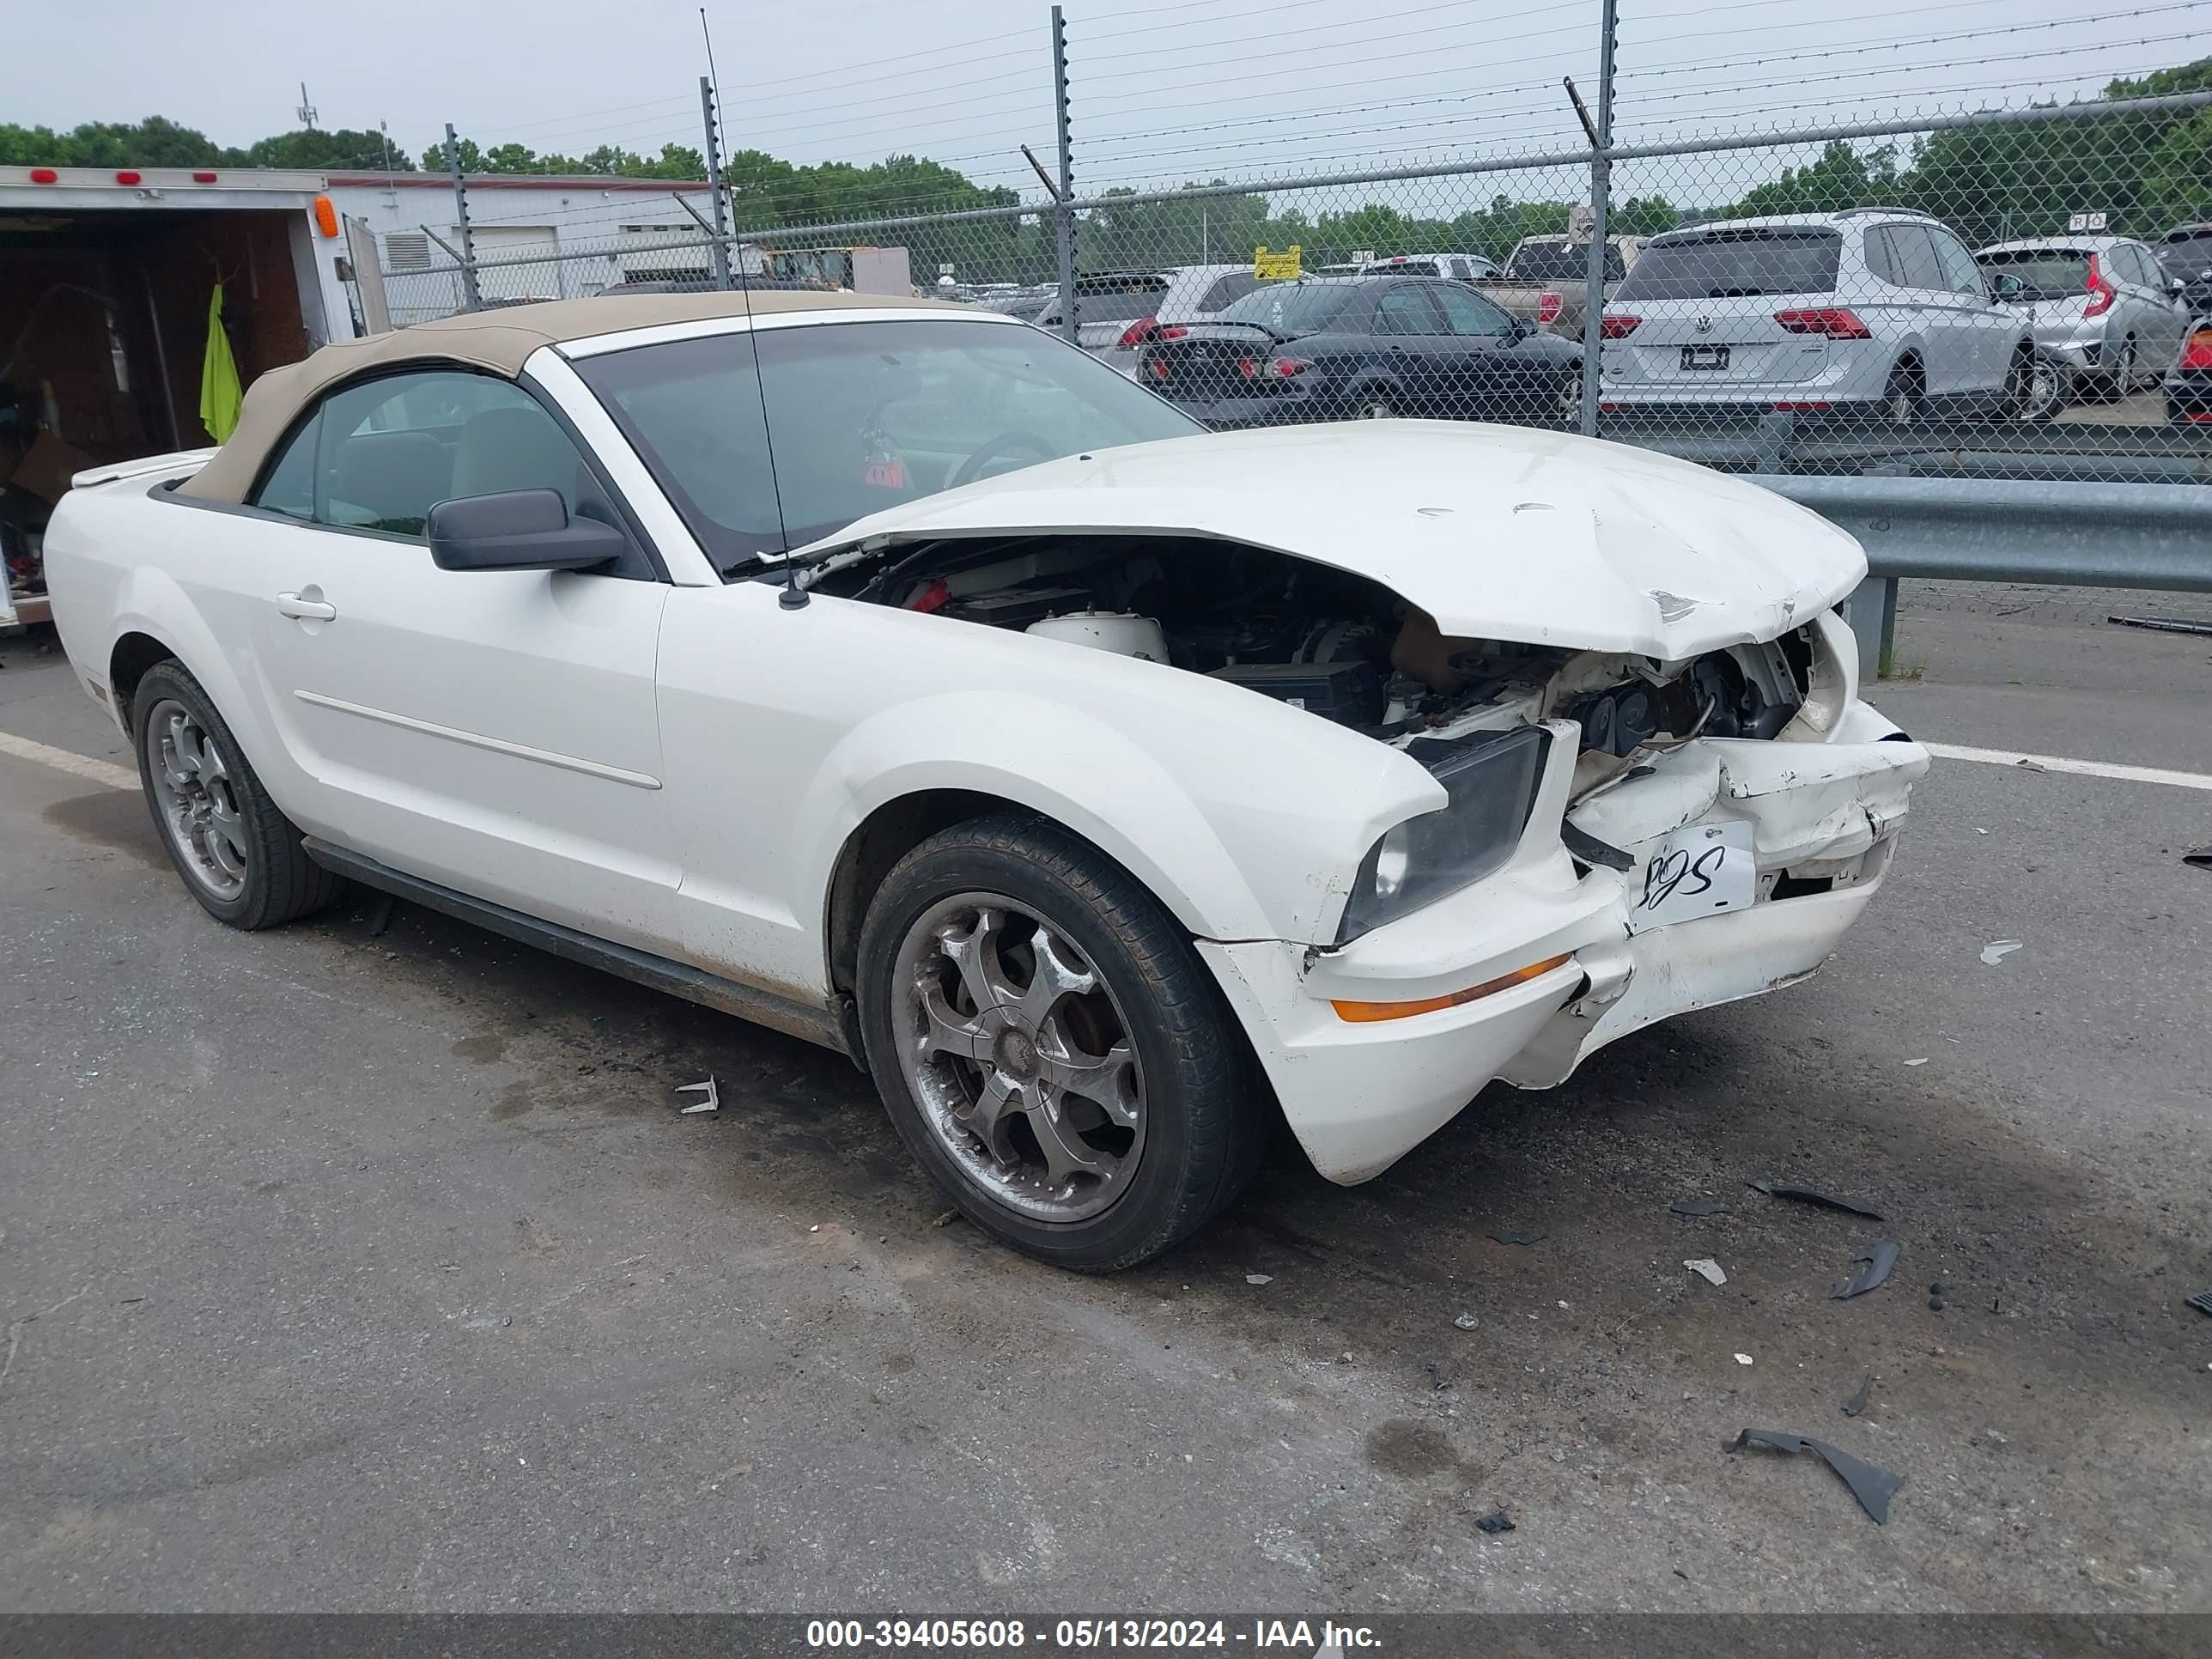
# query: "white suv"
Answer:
x=1874 y=311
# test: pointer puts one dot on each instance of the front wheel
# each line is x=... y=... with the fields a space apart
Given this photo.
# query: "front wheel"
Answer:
x=2032 y=389
x=1376 y=406
x=1051 y=1048
x=1567 y=397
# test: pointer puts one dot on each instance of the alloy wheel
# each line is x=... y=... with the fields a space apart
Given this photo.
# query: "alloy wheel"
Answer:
x=1018 y=1057
x=196 y=799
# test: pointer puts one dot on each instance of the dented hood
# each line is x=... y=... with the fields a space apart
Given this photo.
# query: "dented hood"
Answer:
x=1499 y=532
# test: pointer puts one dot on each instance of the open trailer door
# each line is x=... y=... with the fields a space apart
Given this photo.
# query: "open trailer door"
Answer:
x=106 y=277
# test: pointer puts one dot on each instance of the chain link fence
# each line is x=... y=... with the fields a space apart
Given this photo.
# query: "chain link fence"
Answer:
x=2007 y=291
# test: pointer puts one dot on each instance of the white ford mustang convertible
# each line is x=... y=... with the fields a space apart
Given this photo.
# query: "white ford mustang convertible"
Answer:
x=894 y=674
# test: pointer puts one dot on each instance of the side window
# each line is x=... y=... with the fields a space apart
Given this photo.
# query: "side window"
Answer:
x=377 y=455
x=289 y=487
x=1961 y=274
x=1878 y=257
x=1914 y=253
x=1470 y=314
x=393 y=448
x=1407 y=311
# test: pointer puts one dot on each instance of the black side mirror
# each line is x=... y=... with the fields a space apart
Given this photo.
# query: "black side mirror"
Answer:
x=1523 y=328
x=2006 y=286
x=518 y=530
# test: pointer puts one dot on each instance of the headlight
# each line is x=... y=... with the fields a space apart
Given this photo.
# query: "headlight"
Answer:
x=1490 y=781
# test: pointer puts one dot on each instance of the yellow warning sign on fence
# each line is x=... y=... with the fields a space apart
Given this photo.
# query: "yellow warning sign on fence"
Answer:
x=1275 y=267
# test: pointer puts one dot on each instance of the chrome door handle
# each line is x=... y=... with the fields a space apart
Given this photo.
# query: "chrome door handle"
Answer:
x=291 y=604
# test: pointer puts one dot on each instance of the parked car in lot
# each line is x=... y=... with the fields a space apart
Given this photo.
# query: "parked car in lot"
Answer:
x=1545 y=280
x=1114 y=310
x=1192 y=294
x=1333 y=348
x=890 y=673
x=1873 y=314
x=2188 y=383
x=1462 y=267
x=2185 y=251
x=2101 y=306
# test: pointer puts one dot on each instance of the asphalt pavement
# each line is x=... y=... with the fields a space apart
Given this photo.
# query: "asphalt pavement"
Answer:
x=356 y=1271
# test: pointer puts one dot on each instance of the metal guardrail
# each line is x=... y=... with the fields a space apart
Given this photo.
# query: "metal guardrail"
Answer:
x=2061 y=532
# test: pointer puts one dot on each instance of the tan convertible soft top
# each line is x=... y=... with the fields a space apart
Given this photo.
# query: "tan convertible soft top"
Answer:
x=500 y=341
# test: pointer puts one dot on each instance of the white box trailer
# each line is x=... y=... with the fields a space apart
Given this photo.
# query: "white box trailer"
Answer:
x=105 y=279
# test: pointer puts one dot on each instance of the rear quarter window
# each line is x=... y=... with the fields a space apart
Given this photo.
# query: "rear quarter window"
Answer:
x=1732 y=263
x=1227 y=291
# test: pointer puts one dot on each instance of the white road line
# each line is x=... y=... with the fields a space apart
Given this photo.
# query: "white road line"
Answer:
x=2060 y=764
x=77 y=766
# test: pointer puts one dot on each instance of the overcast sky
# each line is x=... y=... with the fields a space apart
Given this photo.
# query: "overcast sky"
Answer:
x=1162 y=92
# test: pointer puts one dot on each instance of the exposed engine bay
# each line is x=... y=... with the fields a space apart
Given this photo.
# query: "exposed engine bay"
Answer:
x=1335 y=644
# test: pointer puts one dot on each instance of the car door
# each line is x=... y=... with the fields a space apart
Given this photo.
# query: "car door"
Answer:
x=2159 y=320
x=1925 y=308
x=1410 y=332
x=1987 y=333
x=494 y=730
x=1498 y=370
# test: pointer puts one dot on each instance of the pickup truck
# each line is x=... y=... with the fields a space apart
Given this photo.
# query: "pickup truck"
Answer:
x=1547 y=278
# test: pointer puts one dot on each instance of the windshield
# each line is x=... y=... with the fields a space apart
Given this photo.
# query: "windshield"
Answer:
x=2187 y=257
x=1725 y=264
x=1559 y=262
x=859 y=416
x=1290 y=309
x=2045 y=273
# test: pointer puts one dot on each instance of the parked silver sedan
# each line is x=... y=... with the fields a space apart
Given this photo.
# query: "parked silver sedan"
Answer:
x=2102 y=306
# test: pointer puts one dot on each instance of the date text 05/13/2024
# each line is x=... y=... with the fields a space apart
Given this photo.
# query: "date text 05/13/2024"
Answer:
x=1084 y=1634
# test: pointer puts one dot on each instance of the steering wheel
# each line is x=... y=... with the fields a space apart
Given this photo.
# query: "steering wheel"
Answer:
x=1003 y=447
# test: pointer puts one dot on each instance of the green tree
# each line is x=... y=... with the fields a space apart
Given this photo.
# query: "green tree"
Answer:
x=311 y=151
x=1645 y=216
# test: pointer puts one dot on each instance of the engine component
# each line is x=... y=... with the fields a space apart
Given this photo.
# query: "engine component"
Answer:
x=1017 y=607
x=1118 y=631
x=1349 y=693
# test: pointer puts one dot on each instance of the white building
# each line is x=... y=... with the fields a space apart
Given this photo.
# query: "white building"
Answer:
x=536 y=238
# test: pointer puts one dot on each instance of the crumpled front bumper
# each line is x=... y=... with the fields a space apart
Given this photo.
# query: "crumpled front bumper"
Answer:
x=1825 y=817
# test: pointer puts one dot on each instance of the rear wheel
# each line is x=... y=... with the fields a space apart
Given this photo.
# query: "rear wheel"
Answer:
x=1051 y=1048
x=1376 y=406
x=1905 y=400
x=238 y=855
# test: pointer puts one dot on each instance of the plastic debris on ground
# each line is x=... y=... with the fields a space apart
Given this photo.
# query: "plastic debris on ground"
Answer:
x=1496 y=1522
x=1997 y=949
x=1467 y=1322
x=1707 y=1269
x=1815 y=1195
x=1873 y=1487
x=1857 y=1402
x=1259 y=1279
x=2202 y=1302
x=712 y=1103
x=1743 y=1359
x=1922 y=1061
x=1869 y=1271
x=1518 y=1235
x=1700 y=1205
x=2199 y=856
x=1437 y=1380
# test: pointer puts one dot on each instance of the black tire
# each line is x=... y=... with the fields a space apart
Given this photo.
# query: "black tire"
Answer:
x=1904 y=399
x=1202 y=1105
x=279 y=883
x=2119 y=384
x=1375 y=402
x=2034 y=389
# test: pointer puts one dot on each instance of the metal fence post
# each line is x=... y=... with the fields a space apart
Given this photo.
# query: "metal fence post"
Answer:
x=472 y=299
x=1600 y=194
x=720 y=256
x=1066 y=219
